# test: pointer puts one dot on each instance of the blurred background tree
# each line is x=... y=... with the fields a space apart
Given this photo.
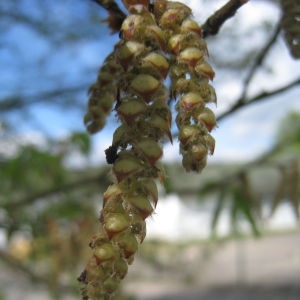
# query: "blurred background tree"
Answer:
x=52 y=173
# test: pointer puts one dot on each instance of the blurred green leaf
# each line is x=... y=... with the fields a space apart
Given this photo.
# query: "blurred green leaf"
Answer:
x=218 y=209
x=243 y=205
x=289 y=130
x=81 y=141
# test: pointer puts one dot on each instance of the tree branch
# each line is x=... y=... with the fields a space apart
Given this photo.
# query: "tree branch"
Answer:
x=259 y=60
x=259 y=97
x=37 y=25
x=54 y=190
x=214 y=22
x=242 y=101
x=17 y=102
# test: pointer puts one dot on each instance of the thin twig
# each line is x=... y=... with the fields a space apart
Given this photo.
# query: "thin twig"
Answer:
x=19 y=101
x=259 y=60
x=214 y=22
x=54 y=190
x=260 y=97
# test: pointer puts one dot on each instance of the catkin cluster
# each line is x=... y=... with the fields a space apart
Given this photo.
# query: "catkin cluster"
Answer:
x=190 y=74
x=157 y=40
x=103 y=94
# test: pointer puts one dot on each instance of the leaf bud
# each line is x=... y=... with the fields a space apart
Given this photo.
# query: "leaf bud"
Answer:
x=198 y=151
x=141 y=203
x=127 y=242
x=129 y=3
x=150 y=187
x=132 y=26
x=121 y=135
x=157 y=61
x=191 y=164
x=113 y=205
x=120 y=268
x=104 y=252
x=105 y=101
x=162 y=95
x=140 y=9
x=210 y=143
x=203 y=68
x=112 y=191
x=162 y=124
x=207 y=117
x=190 y=101
x=94 y=290
x=160 y=7
x=174 y=16
x=130 y=109
x=110 y=285
x=207 y=92
x=124 y=167
x=138 y=226
x=161 y=108
x=191 y=56
x=115 y=222
x=180 y=86
x=189 y=25
x=145 y=85
x=151 y=149
x=188 y=133
x=98 y=239
x=105 y=78
x=128 y=51
x=97 y=112
x=155 y=36
x=175 y=43
x=95 y=125
x=178 y=5
x=93 y=271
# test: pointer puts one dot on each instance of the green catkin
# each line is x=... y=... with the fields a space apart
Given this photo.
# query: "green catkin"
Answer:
x=153 y=45
x=190 y=74
x=102 y=94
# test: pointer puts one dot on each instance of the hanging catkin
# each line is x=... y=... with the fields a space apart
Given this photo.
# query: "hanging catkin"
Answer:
x=157 y=40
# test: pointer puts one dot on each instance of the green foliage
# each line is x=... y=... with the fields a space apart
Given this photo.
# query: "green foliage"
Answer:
x=31 y=169
x=289 y=131
x=81 y=141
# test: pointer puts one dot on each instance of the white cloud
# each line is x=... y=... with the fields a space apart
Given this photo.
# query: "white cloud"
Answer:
x=171 y=152
x=100 y=143
x=10 y=145
x=175 y=220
